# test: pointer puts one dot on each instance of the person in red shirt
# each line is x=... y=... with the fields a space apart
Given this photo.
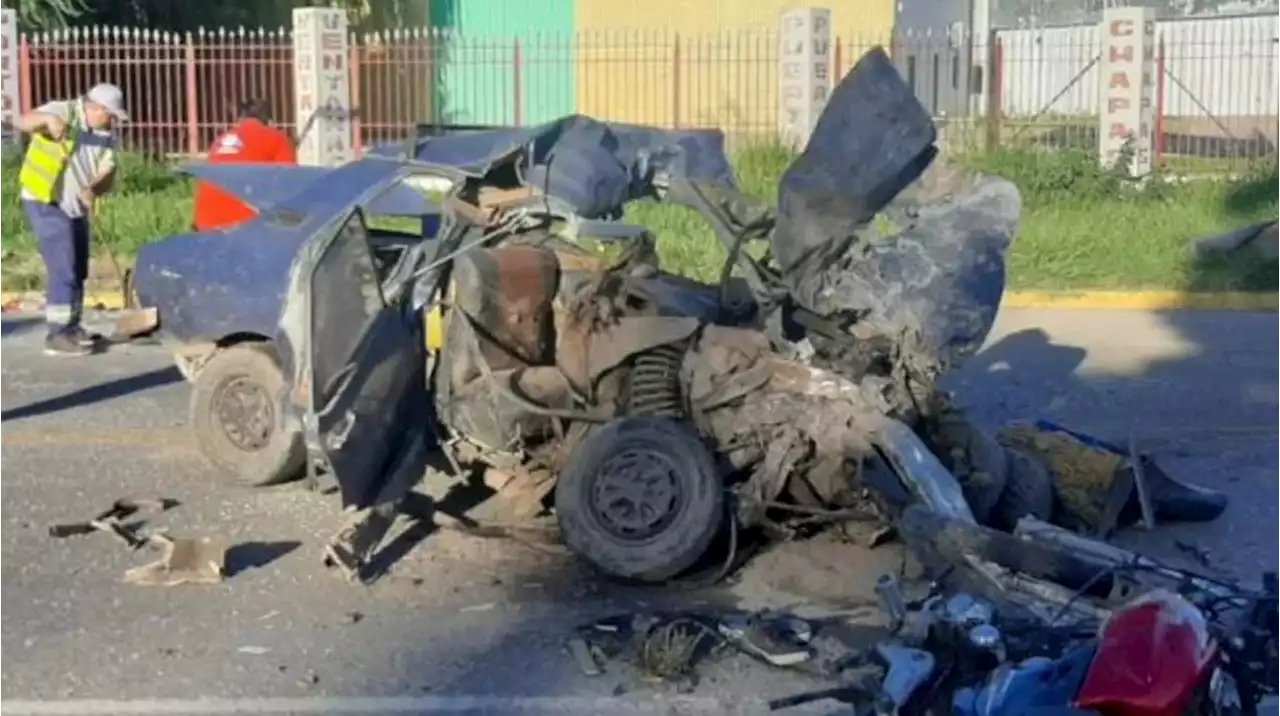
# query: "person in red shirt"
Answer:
x=252 y=139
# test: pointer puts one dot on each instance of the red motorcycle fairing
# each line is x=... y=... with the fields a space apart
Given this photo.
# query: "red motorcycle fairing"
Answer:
x=1151 y=658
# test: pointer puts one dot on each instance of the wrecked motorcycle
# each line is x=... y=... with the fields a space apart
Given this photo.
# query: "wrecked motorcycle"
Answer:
x=1207 y=648
x=651 y=413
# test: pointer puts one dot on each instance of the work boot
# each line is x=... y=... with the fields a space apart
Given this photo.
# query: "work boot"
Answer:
x=83 y=337
x=1173 y=500
x=65 y=342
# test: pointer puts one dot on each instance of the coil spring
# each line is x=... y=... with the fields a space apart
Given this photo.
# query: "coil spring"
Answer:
x=655 y=383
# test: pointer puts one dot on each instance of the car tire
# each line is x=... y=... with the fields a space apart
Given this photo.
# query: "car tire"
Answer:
x=236 y=415
x=682 y=501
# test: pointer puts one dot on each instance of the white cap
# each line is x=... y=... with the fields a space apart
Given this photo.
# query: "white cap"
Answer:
x=111 y=98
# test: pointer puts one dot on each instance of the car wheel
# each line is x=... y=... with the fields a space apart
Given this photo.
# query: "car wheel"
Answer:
x=641 y=498
x=237 y=419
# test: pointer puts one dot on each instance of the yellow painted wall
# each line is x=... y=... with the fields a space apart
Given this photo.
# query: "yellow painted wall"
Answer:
x=701 y=62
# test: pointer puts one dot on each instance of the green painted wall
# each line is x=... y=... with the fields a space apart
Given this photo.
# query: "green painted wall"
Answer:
x=476 y=83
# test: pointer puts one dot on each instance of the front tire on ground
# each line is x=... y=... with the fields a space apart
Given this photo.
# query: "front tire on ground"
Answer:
x=235 y=413
x=641 y=498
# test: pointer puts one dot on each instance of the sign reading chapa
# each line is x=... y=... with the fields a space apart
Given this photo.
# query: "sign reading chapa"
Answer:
x=1128 y=87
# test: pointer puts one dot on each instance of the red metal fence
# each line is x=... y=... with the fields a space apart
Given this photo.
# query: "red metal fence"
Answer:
x=1015 y=86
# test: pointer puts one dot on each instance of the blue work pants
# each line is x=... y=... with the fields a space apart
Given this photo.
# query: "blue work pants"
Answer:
x=64 y=247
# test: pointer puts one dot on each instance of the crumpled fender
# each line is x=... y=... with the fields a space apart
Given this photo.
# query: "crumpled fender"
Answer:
x=931 y=281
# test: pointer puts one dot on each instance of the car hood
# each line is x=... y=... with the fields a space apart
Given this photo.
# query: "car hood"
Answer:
x=930 y=281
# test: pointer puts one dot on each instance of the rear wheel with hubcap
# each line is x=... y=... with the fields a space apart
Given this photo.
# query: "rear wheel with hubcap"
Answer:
x=641 y=498
x=237 y=418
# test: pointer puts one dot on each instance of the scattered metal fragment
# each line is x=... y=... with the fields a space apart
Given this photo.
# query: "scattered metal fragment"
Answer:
x=772 y=640
x=584 y=656
x=185 y=561
x=890 y=594
x=111 y=521
x=668 y=646
x=134 y=323
x=1140 y=486
x=1199 y=554
x=254 y=650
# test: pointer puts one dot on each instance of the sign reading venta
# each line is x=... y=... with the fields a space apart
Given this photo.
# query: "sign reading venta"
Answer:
x=1128 y=87
x=322 y=86
x=12 y=94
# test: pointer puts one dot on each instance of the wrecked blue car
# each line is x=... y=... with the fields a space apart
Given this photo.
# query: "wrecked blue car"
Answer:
x=470 y=305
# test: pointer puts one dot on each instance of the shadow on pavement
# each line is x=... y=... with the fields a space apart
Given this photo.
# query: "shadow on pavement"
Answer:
x=96 y=394
x=14 y=326
x=1029 y=349
x=251 y=555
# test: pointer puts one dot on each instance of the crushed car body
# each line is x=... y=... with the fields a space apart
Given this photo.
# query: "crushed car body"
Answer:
x=649 y=412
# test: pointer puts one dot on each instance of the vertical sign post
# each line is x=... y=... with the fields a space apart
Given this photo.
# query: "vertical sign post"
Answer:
x=804 y=72
x=12 y=93
x=322 y=86
x=1127 y=106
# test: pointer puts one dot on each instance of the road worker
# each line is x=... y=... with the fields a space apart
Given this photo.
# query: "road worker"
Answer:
x=252 y=139
x=70 y=161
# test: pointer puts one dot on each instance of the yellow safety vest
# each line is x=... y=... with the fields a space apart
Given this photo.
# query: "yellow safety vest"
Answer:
x=46 y=159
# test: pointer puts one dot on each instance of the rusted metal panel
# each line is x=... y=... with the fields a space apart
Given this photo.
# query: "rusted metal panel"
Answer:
x=508 y=293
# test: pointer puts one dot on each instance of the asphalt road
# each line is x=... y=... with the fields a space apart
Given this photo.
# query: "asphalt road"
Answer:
x=468 y=624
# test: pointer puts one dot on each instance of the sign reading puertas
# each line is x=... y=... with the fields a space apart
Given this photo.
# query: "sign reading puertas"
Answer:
x=1128 y=83
x=804 y=72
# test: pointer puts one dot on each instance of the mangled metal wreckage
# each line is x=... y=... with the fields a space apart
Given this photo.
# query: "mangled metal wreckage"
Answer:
x=650 y=412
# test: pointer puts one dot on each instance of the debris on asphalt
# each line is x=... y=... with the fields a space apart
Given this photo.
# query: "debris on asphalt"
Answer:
x=355 y=617
x=134 y=323
x=254 y=650
x=668 y=647
x=584 y=655
x=111 y=521
x=780 y=641
x=185 y=561
x=1195 y=552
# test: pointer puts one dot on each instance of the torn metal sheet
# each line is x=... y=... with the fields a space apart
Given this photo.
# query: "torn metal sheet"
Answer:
x=594 y=166
x=135 y=323
x=186 y=561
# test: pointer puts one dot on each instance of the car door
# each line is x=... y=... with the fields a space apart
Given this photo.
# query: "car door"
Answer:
x=366 y=365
